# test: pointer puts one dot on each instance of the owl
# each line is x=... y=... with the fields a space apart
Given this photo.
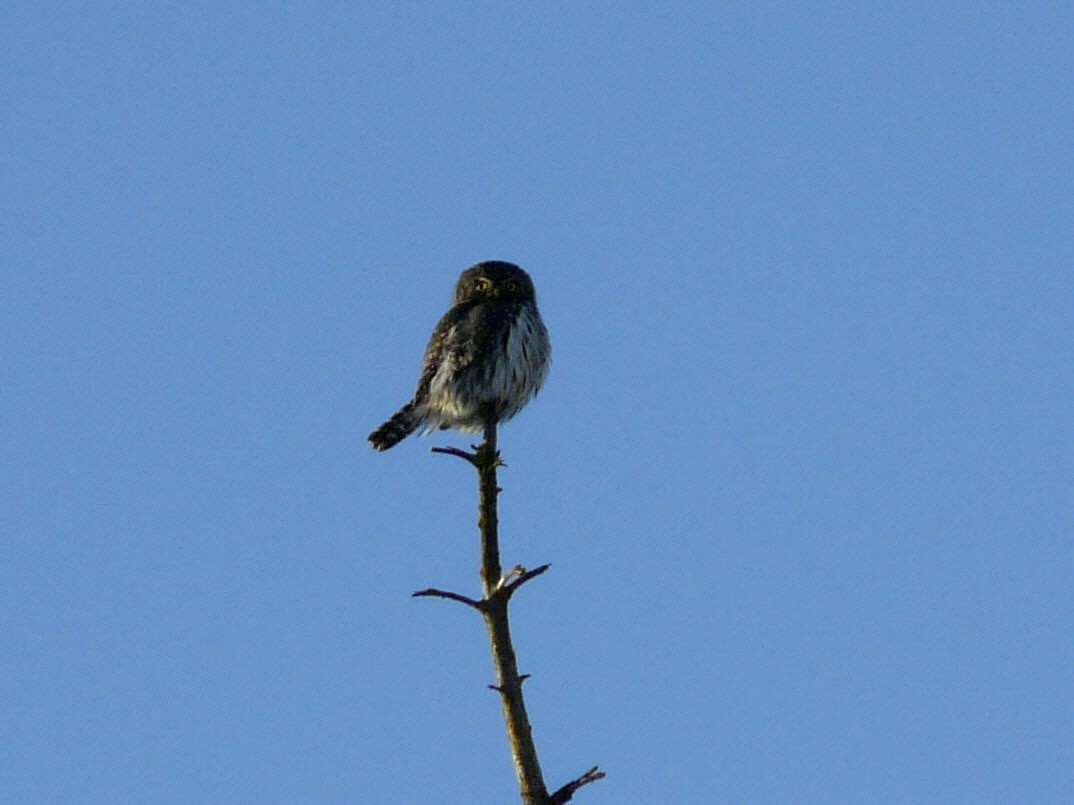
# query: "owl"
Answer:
x=485 y=360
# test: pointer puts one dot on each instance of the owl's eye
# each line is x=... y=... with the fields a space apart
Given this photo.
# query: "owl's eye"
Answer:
x=512 y=285
x=482 y=284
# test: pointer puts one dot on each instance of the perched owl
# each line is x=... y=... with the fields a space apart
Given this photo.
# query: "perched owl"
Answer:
x=486 y=358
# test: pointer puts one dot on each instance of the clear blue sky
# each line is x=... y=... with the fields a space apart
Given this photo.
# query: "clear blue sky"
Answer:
x=802 y=467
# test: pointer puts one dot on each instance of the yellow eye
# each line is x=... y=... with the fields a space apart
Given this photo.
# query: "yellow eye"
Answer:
x=482 y=284
x=512 y=285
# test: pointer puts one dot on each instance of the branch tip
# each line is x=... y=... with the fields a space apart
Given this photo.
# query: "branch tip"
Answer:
x=566 y=793
x=462 y=599
x=526 y=576
x=455 y=451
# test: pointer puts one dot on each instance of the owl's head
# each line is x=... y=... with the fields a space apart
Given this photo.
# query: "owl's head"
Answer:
x=495 y=280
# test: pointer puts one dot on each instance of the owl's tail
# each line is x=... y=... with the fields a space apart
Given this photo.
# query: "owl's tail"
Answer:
x=403 y=422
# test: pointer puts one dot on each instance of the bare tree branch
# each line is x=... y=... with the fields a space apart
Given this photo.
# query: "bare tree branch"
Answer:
x=498 y=589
